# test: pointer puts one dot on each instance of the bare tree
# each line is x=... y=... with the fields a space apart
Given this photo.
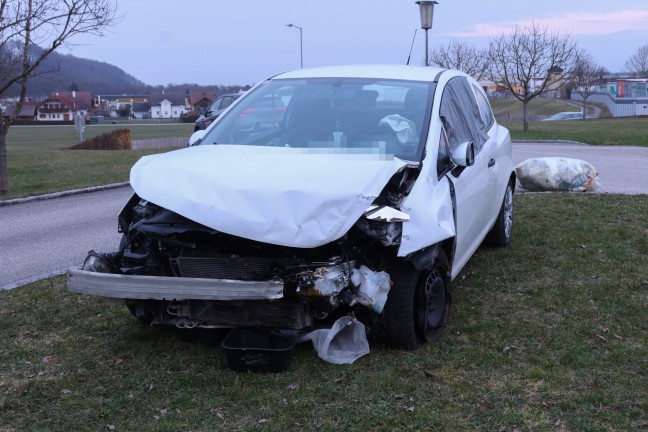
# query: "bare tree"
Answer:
x=461 y=56
x=637 y=63
x=587 y=76
x=530 y=61
x=48 y=24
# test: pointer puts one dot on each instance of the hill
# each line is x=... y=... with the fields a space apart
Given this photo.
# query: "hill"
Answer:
x=67 y=72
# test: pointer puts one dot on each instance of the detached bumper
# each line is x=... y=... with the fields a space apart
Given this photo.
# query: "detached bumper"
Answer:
x=170 y=288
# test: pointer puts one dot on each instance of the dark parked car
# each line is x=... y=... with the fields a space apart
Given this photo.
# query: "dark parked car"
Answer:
x=215 y=109
x=321 y=192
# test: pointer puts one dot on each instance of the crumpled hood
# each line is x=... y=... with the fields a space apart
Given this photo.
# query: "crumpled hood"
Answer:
x=285 y=196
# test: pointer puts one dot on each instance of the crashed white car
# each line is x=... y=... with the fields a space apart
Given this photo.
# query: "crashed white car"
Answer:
x=321 y=192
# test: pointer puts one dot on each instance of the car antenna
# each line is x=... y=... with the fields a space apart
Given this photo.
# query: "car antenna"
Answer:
x=410 y=54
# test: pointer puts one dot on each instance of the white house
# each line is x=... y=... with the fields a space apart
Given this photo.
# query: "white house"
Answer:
x=166 y=109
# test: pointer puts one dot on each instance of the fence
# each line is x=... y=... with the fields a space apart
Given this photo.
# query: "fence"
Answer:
x=159 y=143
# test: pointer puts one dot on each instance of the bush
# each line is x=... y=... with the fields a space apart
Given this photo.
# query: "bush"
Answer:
x=118 y=139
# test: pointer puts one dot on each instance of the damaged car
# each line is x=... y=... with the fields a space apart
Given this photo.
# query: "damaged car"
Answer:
x=365 y=194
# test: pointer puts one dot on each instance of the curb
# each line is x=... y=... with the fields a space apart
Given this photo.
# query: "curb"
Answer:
x=549 y=142
x=62 y=194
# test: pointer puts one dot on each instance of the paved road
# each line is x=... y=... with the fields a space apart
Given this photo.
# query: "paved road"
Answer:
x=43 y=238
x=622 y=170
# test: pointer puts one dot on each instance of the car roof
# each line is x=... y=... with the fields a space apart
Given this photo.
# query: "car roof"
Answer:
x=413 y=73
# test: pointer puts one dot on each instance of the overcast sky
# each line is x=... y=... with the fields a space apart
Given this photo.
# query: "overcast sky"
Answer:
x=243 y=42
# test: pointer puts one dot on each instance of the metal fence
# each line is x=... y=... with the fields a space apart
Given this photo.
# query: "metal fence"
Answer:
x=159 y=143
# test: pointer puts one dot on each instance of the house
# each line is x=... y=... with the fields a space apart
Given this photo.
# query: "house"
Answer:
x=27 y=111
x=168 y=107
x=141 y=110
x=200 y=100
x=63 y=106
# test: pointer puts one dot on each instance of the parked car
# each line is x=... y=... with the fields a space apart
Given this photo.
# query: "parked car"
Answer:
x=214 y=110
x=367 y=195
x=570 y=115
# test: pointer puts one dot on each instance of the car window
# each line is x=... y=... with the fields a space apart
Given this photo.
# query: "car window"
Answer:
x=443 y=156
x=460 y=115
x=484 y=107
x=227 y=101
x=214 y=106
x=353 y=114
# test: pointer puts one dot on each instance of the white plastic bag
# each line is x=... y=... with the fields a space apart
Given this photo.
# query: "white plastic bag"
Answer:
x=343 y=343
x=557 y=174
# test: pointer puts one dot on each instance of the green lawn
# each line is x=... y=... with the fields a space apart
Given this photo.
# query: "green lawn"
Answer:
x=549 y=334
x=39 y=164
x=609 y=131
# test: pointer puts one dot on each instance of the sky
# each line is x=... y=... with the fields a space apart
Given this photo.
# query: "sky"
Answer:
x=234 y=42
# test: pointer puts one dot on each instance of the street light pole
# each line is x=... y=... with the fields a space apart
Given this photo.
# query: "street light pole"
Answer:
x=301 y=45
x=427 y=13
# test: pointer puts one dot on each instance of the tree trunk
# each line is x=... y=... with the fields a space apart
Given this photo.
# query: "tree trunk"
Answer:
x=4 y=178
x=584 y=108
x=525 y=116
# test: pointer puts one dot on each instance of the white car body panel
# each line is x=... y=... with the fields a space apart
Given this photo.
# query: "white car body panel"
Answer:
x=284 y=196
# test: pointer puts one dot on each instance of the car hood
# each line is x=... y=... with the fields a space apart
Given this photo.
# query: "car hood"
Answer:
x=285 y=196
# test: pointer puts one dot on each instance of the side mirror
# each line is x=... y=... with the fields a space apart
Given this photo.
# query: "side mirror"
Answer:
x=464 y=154
x=196 y=137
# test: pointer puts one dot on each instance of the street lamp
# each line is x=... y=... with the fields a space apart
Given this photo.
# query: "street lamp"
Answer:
x=427 y=12
x=301 y=45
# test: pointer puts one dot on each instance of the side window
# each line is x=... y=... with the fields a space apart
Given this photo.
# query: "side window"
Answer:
x=484 y=107
x=460 y=115
x=443 y=158
x=226 y=102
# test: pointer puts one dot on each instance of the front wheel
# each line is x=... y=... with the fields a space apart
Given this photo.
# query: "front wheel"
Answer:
x=418 y=304
x=501 y=233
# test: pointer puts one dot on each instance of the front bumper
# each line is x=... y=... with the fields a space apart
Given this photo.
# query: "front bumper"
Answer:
x=119 y=286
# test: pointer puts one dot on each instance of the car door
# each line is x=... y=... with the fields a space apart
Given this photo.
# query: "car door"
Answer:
x=498 y=148
x=472 y=185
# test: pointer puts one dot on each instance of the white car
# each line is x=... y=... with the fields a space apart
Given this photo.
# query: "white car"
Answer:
x=366 y=192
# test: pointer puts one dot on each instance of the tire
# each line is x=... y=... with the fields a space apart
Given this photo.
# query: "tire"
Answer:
x=418 y=304
x=502 y=232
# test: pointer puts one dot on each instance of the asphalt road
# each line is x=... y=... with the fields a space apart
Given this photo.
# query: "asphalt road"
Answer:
x=43 y=238
x=621 y=170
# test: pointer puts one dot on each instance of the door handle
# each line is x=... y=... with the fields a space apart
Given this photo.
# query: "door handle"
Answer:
x=491 y=163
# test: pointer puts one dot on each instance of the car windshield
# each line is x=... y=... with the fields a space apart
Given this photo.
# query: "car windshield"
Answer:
x=342 y=114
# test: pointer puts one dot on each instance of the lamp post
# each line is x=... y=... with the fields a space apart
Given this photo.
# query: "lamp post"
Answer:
x=301 y=45
x=427 y=12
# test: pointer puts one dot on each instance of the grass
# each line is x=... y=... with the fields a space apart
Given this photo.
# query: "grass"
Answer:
x=511 y=108
x=38 y=164
x=610 y=131
x=549 y=334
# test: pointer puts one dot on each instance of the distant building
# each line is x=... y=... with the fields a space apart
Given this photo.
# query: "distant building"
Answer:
x=623 y=97
x=63 y=106
x=168 y=108
x=141 y=110
x=27 y=112
x=199 y=100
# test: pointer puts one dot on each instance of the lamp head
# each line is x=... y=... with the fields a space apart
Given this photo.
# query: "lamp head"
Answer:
x=427 y=12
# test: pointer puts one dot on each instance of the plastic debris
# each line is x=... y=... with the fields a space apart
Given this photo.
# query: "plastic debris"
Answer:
x=343 y=343
x=557 y=174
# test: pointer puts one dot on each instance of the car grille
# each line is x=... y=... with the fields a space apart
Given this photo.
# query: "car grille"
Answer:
x=282 y=314
x=230 y=267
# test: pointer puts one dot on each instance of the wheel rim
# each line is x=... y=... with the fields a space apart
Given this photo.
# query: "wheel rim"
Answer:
x=432 y=307
x=508 y=212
